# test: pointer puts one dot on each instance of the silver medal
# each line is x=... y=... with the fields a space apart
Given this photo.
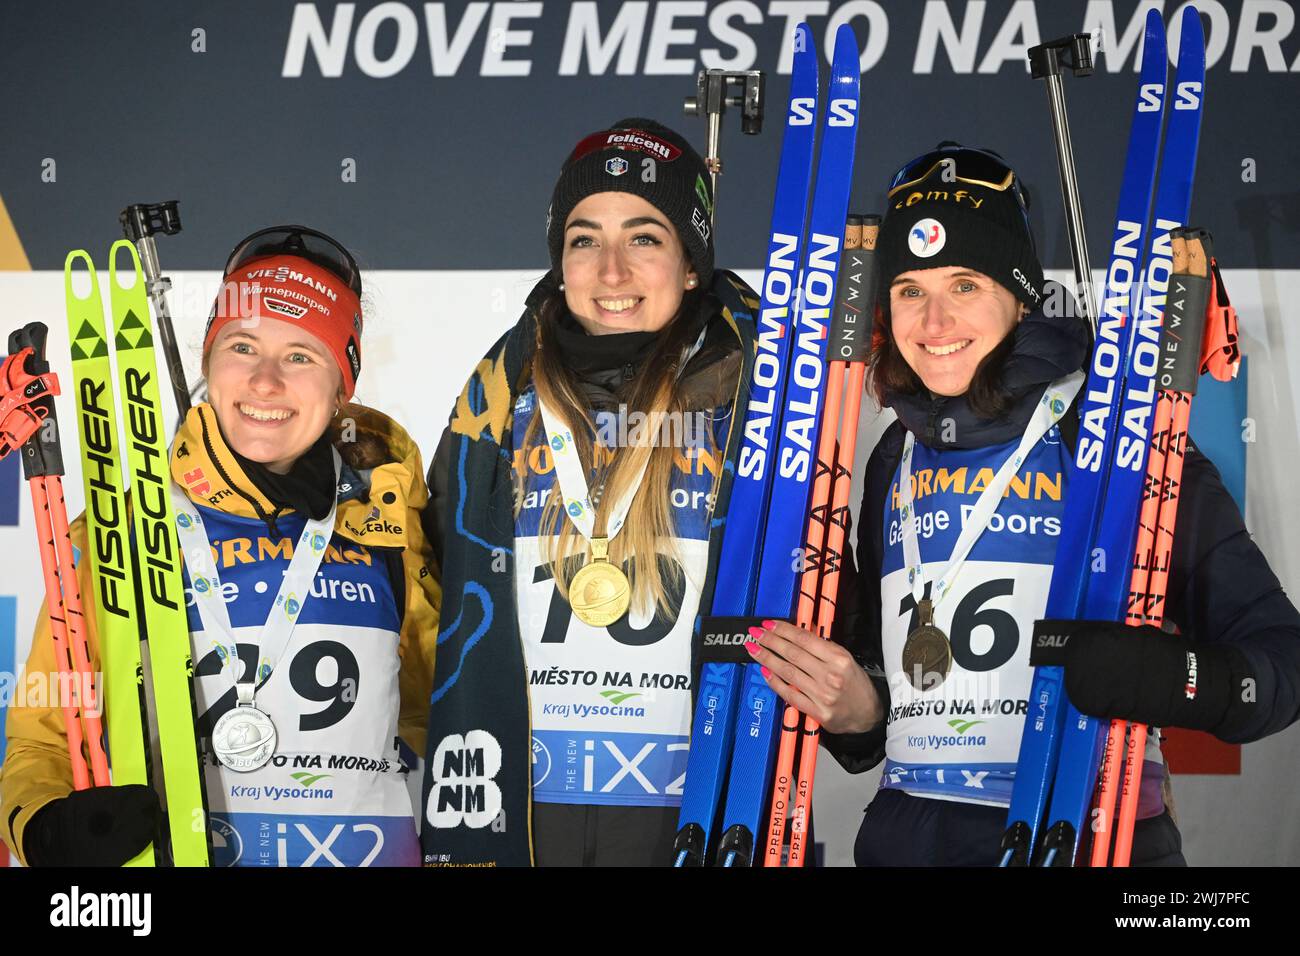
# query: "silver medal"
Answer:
x=244 y=738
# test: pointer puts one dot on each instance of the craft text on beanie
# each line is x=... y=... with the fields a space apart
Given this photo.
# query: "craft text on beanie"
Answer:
x=647 y=159
x=960 y=206
x=300 y=276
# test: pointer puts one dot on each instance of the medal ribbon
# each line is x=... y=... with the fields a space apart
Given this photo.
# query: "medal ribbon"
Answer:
x=569 y=473
x=1051 y=408
x=308 y=554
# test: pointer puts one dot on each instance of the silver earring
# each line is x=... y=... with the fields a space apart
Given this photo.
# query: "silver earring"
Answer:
x=691 y=283
x=561 y=286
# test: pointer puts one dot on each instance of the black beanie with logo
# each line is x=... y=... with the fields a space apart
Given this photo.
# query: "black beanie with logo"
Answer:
x=649 y=160
x=940 y=221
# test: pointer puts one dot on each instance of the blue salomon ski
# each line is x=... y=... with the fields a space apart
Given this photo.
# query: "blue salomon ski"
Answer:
x=758 y=717
x=737 y=575
x=1108 y=587
x=1040 y=740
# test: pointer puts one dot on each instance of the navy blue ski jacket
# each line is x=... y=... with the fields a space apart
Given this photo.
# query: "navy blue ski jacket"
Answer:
x=1221 y=588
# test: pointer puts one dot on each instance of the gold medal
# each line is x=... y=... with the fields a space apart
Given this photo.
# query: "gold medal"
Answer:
x=599 y=593
x=927 y=654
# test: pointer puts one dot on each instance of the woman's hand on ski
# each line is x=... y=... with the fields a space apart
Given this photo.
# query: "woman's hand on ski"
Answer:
x=817 y=676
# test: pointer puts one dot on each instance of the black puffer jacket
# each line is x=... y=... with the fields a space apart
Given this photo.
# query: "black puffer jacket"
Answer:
x=1221 y=588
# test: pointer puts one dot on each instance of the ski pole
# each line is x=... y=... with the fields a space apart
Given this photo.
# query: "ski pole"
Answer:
x=814 y=559
x=141 y=222
x=853 y=354
x=28 y=370
x=819 y=582
x=1181 y=346
x=1046 y=61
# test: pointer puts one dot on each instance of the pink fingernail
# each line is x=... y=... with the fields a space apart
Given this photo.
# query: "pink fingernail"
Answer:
x=768 y=625
x=755 y=632
x=765 y=672
x=752 y=648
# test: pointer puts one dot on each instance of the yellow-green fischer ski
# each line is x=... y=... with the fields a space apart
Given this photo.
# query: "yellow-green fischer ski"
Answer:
x=159 y=562
x=109 y=534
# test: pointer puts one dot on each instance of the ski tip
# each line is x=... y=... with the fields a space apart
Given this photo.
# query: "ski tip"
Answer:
x=112 y=263
x=1153 y=34
x=78 y=255
x=846 y=45
x=69 y=271
x=803 y=51
x=1191 y=35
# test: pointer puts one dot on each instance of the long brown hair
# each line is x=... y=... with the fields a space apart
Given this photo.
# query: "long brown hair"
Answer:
x=646 y=540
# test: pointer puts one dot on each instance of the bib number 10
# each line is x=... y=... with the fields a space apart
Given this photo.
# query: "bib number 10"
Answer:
x=559 y=614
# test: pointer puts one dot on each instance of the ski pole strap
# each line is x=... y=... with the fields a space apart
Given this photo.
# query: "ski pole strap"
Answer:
x=1200 y=328
x=27 y=390
x=19 y=417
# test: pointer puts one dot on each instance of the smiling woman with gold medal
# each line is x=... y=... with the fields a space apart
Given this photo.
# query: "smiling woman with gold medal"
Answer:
x=572 y=507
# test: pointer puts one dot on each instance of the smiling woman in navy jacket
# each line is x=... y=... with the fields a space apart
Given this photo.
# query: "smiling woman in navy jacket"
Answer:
x=977 y=372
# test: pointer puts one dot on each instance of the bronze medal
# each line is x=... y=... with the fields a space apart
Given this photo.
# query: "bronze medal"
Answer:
x=927 y=654
x=599 y=593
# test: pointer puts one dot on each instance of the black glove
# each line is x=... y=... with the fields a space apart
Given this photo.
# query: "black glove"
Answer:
x=1144 y=675
x=102 y=826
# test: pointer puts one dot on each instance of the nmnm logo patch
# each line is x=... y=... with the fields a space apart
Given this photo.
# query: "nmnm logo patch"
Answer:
x=464 y=790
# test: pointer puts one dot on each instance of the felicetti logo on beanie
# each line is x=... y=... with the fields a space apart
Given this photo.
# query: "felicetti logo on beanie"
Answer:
x=637 y=140
x=649 y=160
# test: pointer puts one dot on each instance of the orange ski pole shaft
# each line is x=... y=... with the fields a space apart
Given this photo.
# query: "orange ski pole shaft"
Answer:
x=803 y=789
x=1186 y=316
x=1143 y=554
x=76 y=688
x=854 y=371
x=1156 y=591
x=54 y=610
x=806 y=607
x=27 y=390
x=827 y=521
x=78 y=647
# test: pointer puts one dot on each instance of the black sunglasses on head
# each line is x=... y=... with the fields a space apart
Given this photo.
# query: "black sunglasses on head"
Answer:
x=300 y=241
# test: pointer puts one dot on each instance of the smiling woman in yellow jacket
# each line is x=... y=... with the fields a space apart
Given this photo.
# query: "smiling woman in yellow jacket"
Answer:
x=274 y=451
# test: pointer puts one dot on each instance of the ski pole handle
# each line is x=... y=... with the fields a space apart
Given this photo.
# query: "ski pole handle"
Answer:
x=42 y=454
